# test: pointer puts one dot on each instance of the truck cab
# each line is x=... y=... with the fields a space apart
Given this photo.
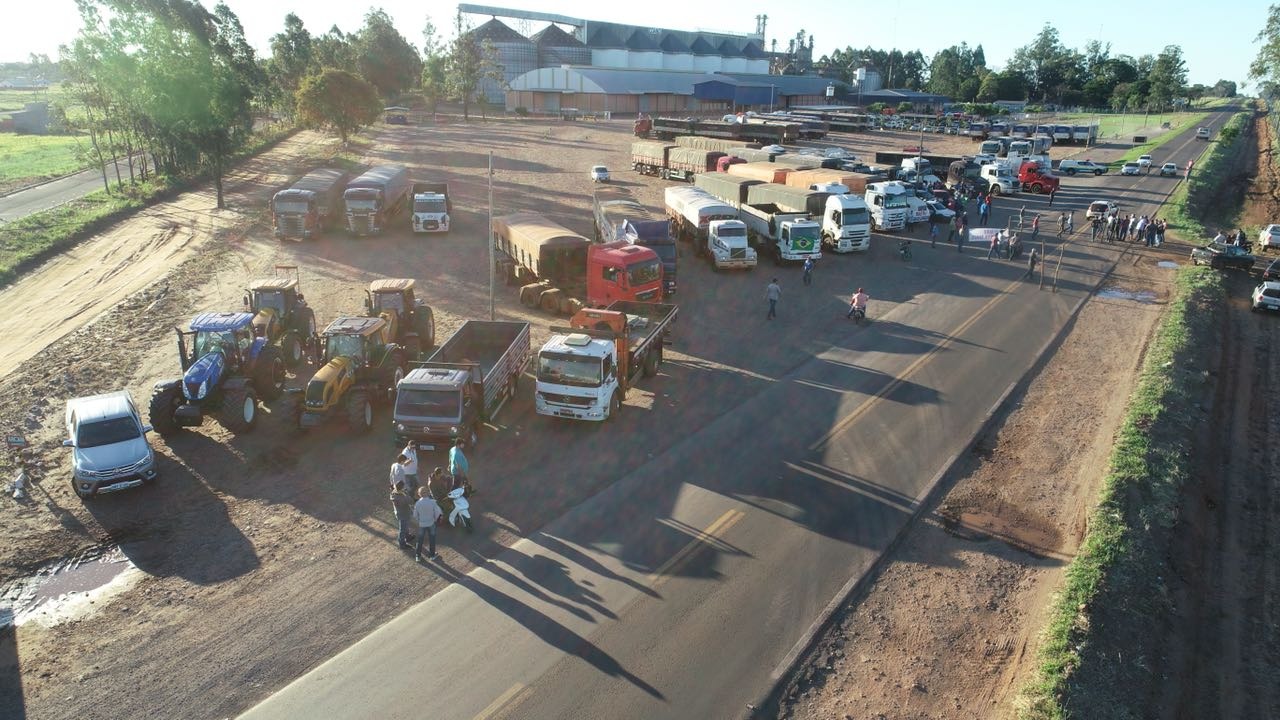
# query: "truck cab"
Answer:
x=846 y=224
x=294 y=212
x=622 y=271
x=431 y=207
x=888 y=204
x=1032 y=176
x=1000 y=178
x=433 y=403
x=728 y=247
x=365 y=210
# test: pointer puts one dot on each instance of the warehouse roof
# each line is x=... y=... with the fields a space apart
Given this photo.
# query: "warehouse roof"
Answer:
x=785 y=84
x=605 y=37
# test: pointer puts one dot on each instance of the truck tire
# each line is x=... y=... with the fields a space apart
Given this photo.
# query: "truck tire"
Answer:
x=413 y=346
x=358 y=411
x=615 y=406
x=425 y=320
x=650 y=367
x=165 y=399
x=549 y=300
x=513 y=386
x=239 y=412
x=995 y=190
x=531 y=293
x=1071 y=171
x=393 y=370
x=268 y=373
x=291 y=348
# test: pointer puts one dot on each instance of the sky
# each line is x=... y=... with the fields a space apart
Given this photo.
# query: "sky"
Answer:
x=1217 y=38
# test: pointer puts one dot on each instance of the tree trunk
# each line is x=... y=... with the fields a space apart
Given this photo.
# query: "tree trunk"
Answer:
x=466 y=108
x=97 y=151
x=111 y=141
x=217 y=175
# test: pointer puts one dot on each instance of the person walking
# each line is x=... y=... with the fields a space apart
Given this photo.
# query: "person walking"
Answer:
x=410 y=452
x=960 y=238
x=1094 y=225
x=951 y=227
x=995 y=244
x=1052 y=194
x=1035 y=228
x=1022 y=221
x=772 y=293
x=808 y=271
x=403 y=506
x=984 y=213
x=933 y=235
x=459 y=468
x=1062 y=223
x=1032 y=259
x=427 y=513
x=1071 y=224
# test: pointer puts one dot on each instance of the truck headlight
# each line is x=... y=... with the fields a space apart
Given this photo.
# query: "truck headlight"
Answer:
x=453 y=430
x=444 y=219
x=399 y=427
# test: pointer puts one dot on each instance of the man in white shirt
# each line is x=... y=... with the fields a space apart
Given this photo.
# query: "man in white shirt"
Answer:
x=398 y=471
x=410 y=452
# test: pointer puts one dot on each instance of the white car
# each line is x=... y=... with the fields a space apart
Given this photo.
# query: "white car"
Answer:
x=1269 y=237
x=1144 y=162
x=108 y=441
x=1099 y=209
x=1169 y=170
x=774 y=149
x=1267 y=296
x=1130 y=168
x=1071 y=167
x=1202 y=134
x=599 y=173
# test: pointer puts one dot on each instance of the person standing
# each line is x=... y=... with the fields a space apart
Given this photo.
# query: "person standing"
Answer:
x=398 y=471
x=1052 y=193
x=808 y=271
x=995 y=243
x=1093 y=229
x=403 y=506
x=933 y=235
x=951 y=227
x=960 y=238
x=410 y=452
x=1071 y=224
x=427 y=513
x=1035 y=228
x=459 y=468
x=1032 y=259
x=1062 y=223
x=984 y=213
x=772 y=293
x=1022 y=219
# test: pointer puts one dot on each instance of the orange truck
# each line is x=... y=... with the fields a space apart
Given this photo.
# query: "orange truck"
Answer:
x=762 y=171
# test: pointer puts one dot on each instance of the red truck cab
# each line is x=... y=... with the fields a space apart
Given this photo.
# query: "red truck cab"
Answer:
x=622 y=271
x=1036 y=179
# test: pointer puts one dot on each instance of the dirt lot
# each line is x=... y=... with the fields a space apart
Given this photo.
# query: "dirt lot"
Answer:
x=260 y=555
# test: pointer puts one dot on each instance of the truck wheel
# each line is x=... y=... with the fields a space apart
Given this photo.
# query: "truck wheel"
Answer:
x=549 y=300
x=1071 y=171
x=412 y=346
x=358 y=411
x=426 y=322
x=268 y=373
x=239 y=412
x=513 y=385
x=393 y=369
x=291 y=346
x=650 y=367
x=615 y=406
x=165 y=400
x=995 y=189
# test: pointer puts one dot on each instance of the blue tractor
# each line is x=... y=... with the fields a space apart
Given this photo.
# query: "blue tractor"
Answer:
x=225 y=370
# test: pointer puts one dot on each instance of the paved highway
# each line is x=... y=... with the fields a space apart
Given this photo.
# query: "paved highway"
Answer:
x=681 y=589
x=53 y=194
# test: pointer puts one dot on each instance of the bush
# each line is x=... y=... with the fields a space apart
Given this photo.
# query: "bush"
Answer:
x=522 y=111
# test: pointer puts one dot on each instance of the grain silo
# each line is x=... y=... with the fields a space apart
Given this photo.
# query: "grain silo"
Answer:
x=514 y=54
x=557 y=47
x=676 y=54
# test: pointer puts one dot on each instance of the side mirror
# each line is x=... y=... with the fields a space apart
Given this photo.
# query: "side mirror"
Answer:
x=146 y=429
x=368 y=303
x=68 y=443
x=246 y=301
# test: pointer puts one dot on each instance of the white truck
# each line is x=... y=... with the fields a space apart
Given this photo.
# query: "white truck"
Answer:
x=585 y=370
x=431 y=207
x=846 y=224
x=918 y=169
x=917 y=210
x=777 y=221
x=1000 y=178
x=727 y=246
x=888 y=204
x=692 y=210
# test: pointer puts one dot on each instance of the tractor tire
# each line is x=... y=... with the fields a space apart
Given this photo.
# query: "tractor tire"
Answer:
x=394 y=368
x=529 y=294
x=425 y=320
x=291 y=348
x=239 y=412
x=358 y=411
x=549 y=300
x=268 y=373
x=413 y=346
x=165 y=399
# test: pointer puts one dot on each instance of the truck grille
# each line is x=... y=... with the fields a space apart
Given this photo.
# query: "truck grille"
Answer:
x=574 y=400
x=430 y=224
x=291 y=225
x=117 y=471
x=738 y=253
x=647 y=295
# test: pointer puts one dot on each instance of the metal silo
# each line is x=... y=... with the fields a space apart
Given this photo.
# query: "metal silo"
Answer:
x=557 y=47
x=515 y=54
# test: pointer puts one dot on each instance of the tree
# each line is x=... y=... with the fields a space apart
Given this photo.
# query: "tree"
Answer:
x=470 y=62
x=339 y=101
x=384 y=57
x=292 y=56
x=333 y=50
x=1224 y=89
x=1266 y=65
x=1168 y=78
x=1048 y=66
x=990 y=89
x=435 y=66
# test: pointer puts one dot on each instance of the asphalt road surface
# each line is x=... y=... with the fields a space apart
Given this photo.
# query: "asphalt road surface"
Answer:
x=680 y=590
x=53 y=194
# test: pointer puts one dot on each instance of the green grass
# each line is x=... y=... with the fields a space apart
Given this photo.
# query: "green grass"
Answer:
x=1192 y=205
x=11 y=100
x=1180 y=122
x=1112 y=127
x=1115 y=580
x=26 y=159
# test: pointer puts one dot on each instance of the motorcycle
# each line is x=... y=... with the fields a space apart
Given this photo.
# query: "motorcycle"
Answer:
x=904 y=250
x=857 y=313
x=455 y=505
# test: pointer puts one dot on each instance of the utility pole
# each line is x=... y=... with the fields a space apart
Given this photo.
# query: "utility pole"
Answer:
x=493 y=260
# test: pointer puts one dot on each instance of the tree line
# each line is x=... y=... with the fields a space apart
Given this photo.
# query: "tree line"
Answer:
x=177 y=86
x=1043 y=71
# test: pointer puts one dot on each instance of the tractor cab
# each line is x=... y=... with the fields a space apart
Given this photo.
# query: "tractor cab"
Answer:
x=280 y=313
x=361 y=366
x=230 y=334
x=409 y=321
x=360 y=339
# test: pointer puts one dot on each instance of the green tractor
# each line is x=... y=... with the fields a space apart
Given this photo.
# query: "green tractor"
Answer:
x=281 y=315
x=411 y=323
x=361 y=367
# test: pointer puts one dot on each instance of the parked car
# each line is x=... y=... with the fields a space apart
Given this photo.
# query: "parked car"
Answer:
x=1099 y=209
x=1273 y=271
x=774 y=149
x=1269 y=237
x=1130 y=168
x=1169 y=170
x=1218 y=255
x=1071 y=167
x=108 y=441
x=1144 y=162
x=939 y=213
x=599 y=173
x=1267 y=296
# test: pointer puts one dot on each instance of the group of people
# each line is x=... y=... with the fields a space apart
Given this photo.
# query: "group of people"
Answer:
x=1131 y=227
x=425 y=513
x=1237 y=238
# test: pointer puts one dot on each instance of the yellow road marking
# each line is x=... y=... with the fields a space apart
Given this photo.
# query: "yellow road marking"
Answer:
x=723 y=523
x=897 y=382
x=500 y=702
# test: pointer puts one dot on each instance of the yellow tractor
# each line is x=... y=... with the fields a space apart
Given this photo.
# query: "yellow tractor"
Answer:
x=360 y=367
x=412 y=323
x=281 y=315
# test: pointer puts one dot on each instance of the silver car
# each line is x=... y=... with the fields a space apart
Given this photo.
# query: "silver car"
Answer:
x=108 y=441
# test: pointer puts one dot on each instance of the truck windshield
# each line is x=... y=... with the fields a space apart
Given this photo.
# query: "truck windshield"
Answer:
x=666 y=253
x=291 y=207
x=107 y=432
x=645 y=272
x=411 y=402
x=362 y=204
x=895 y=201
x=574 y=370
x=801 y=234
x=273 y=299
x=428 y=206
x=207 y=342
x=856 y=216
x=726 y=232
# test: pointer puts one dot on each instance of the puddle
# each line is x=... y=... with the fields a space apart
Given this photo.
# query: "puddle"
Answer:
x=1167 y=264
x=1115 y=292
x=68 y=589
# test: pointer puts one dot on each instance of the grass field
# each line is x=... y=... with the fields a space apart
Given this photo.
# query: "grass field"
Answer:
x=26 y=159
x=11 y=100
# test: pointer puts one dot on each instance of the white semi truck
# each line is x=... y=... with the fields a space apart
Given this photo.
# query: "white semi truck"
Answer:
x=888 y=204
x=727 y=246
x=431 y=207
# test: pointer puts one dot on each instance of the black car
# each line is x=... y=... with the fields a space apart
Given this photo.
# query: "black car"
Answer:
x=1218 y=255
x=1272 y=272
